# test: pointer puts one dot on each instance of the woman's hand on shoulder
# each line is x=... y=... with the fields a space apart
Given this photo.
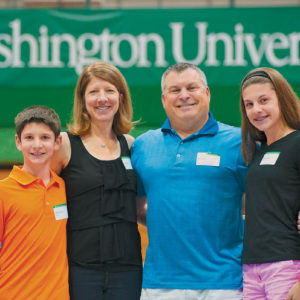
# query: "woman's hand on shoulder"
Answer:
x=130 y=139
x=61 y=157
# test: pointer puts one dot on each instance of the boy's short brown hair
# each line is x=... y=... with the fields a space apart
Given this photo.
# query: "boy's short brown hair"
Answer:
x=38 y=114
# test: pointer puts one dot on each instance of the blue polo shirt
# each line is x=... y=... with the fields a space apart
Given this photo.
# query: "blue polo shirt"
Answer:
x=194 y=188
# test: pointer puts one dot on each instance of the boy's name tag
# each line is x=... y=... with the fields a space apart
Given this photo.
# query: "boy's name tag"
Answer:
x=126 y=162
x=208 y=159
x=60 y=211
x=270 y=158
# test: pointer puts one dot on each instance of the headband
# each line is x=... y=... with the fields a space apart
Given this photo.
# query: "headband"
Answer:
x=257 y=73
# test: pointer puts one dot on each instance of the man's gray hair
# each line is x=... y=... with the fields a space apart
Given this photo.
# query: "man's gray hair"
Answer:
x=179 y=68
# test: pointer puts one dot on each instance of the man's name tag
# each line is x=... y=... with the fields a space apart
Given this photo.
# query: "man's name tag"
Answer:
x=208 y=159
x=126 y=162
x=60 y=211
x=270 y=158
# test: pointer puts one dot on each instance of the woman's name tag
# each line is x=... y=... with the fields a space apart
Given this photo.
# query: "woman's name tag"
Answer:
x=126 y=162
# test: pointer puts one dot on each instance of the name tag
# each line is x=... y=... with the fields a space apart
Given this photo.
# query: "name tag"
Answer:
x=208 y=159
x=270 y=158
x=126 y=162
x=60 y=211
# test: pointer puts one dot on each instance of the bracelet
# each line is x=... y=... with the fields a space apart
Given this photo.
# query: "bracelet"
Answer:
x=299 y=278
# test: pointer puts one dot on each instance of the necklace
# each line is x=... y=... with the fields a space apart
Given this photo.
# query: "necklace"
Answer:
x=110 y=142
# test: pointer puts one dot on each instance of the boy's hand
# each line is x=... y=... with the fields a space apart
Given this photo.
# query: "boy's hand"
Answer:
x=294 y=293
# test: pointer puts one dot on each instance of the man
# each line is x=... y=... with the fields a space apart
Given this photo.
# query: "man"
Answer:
x=191 y=173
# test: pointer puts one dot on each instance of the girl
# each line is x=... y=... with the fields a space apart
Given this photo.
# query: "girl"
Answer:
x=271 y=118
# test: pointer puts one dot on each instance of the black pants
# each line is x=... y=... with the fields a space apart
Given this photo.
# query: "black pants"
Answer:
x=90 y=284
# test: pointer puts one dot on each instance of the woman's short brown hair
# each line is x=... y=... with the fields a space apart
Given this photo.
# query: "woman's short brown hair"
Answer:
x=123 y=118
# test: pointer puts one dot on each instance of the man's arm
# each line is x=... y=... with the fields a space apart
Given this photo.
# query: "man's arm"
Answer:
x=294 y=293
x=141 y=209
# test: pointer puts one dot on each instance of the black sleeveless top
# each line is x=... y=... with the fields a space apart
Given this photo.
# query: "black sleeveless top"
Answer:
x=101 y=197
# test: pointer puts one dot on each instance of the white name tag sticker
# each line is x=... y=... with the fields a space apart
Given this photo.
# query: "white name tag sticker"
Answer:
x=270 y=158
x=60 y=211
x=126 y=162
x=208 y=159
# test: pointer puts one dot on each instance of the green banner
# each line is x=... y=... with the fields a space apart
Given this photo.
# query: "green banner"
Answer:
x=51 y=47
x=42 y=52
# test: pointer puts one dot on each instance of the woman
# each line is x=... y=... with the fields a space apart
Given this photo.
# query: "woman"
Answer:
x=103 y=240
x=271 y=118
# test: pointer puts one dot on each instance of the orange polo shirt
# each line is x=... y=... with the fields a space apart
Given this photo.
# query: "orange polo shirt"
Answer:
x=33 y=259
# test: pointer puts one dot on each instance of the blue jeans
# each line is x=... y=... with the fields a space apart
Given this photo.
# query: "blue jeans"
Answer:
x=91 y=284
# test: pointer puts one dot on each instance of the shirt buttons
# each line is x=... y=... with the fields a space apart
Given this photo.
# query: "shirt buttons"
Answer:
x=47 y=203
x=178 y=155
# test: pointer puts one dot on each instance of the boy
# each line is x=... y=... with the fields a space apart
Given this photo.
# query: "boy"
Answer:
x=33 y=214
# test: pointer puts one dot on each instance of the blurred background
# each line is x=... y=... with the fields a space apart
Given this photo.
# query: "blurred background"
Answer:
x=45 y=44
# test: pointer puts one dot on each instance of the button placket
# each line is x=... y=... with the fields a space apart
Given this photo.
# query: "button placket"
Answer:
x=179 y=154
x=47 y=203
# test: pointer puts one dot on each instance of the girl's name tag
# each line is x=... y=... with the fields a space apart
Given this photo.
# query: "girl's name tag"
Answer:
x=270 y=158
